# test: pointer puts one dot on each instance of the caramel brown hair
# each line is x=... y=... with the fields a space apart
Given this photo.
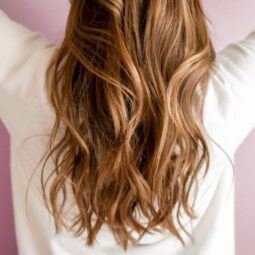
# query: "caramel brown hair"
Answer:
x=128 y=85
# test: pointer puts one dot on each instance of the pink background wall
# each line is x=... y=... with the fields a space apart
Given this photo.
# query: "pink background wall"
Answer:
x=232 y=19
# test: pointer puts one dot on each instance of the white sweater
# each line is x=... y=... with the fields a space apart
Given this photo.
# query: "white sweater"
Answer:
x=25 y=110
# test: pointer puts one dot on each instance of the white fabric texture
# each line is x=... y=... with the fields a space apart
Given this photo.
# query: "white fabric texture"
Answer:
x=24 y=108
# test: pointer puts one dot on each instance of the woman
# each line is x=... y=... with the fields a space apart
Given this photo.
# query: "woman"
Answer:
x=123 y=138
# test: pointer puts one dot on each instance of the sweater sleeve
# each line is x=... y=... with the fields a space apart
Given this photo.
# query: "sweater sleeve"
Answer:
x=24 y=57
x=230 y=102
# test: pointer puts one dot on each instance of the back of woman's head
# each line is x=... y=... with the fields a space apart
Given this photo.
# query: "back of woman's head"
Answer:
x=128 y=86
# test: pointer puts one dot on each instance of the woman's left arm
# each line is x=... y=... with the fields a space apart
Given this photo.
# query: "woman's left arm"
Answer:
x=24 y=57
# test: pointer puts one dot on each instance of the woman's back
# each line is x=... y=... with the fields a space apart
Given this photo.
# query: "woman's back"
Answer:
x=27 y=114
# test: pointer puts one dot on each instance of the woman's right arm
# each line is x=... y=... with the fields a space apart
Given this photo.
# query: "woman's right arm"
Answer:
x=230 y=104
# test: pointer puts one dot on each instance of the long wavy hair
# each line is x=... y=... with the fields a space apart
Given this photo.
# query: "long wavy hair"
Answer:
x=127 y=85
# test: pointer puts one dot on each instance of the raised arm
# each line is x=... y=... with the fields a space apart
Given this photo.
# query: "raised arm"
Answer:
x=24 y=56
x=230 y=103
